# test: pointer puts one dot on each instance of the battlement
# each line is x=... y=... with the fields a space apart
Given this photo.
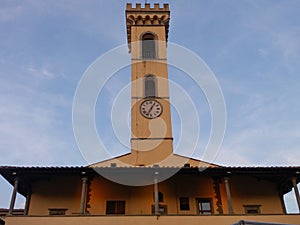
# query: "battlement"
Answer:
x=147 y=16
x=147 y=7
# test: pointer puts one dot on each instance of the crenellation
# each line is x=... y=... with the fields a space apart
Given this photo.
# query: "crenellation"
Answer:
x=145 y=15
x=156 y=6
x=128 y=6
x=138 y=6
x=166 y=7
x=147 y=7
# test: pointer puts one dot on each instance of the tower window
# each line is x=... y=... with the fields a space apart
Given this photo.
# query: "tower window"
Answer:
x=148 y=46
x=150 y=86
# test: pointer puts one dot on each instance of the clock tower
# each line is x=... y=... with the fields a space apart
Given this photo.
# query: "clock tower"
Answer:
x=147 y=34
x=151 y=127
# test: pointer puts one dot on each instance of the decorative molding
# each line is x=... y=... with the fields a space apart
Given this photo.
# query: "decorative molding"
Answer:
x=153 y=60
x=150 y=97
x=146 y=139
x=147 y=16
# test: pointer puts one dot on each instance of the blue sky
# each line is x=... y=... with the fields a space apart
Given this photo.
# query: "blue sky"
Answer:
x=252 y=46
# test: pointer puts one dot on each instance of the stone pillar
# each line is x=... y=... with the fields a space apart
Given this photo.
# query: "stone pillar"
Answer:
x=83 y=195
x=13 y=197
x=294 y=181
x=156 y=203
x=27 y=203
x=229 y=201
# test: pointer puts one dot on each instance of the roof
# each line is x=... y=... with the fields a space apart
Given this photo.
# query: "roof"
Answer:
x=281 y=175
x=173 y=160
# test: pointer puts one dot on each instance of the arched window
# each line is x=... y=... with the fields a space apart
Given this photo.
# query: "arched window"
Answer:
x=148 y=46
x=150 y=86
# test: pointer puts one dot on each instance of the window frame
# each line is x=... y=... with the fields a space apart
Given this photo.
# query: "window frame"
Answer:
x=184 y=203
x=248 y=208
x=150 y=93
x=148 y=52
x=57 y=211
x=201 y=211
x=117 y=207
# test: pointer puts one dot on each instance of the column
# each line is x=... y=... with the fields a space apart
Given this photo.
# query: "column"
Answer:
x=27 y=203
x=83 y=195
x=13 y=197
x=229 y=201
x=216 y=187
x=294 y=181
x=156 y=203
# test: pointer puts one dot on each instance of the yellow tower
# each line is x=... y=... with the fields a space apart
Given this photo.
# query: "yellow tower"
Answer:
x=147 y=34
x=151 y=128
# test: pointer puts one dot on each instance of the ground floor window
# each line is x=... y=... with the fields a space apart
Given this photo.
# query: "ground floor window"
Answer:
x=252 y=209
x=115 y=207
x=57 y=211
x=204 y=206
x=184 y=203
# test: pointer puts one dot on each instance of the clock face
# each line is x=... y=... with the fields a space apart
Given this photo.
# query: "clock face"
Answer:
x=151 y=109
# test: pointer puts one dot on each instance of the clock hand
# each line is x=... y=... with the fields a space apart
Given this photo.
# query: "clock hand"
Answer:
x=151 y=108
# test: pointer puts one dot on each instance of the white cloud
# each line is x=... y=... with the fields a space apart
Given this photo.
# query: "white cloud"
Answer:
x=41 y=72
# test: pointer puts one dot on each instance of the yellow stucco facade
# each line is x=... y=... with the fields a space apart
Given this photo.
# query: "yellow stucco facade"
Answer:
x=82 y=194
x=55 y=192
x=63 y=191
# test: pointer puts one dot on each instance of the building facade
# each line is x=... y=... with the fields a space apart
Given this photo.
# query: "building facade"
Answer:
x=197 y=193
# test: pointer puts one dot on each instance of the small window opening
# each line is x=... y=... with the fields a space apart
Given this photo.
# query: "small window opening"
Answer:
x=252 y=209
x=57 y=212
x=115 y=207
x=184 y=203
x=150 y=86
x=148 y=46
